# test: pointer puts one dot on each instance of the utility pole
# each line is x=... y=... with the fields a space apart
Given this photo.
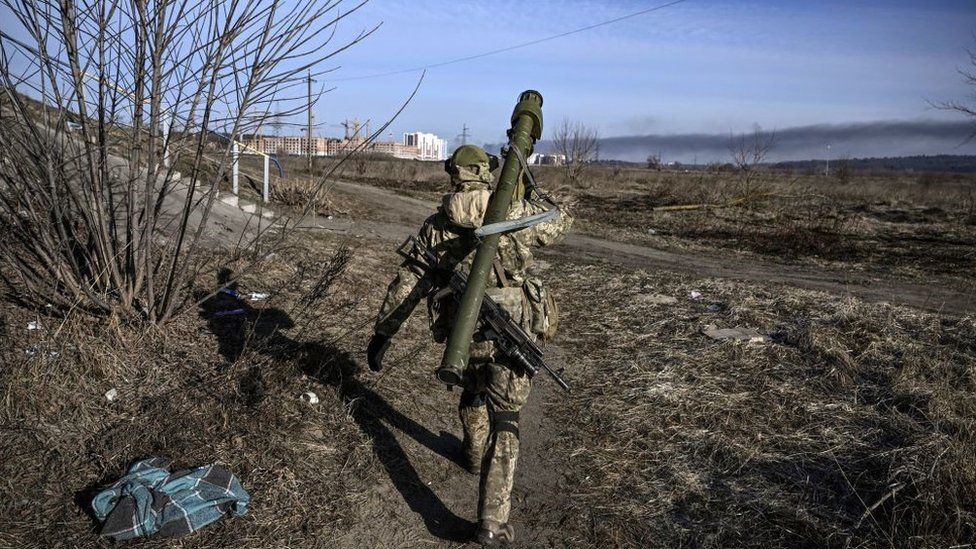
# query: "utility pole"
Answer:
x=311 y=147
x=827 y=169
x=464 y=135
x=352 y=128
x=276 y=119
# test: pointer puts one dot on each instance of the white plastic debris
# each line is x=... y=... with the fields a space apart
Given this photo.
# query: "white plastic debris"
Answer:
x=111 y=395
x=310 y=397
x=257 y=296
x=651 y=231
x=695 y=294
x=34 y=325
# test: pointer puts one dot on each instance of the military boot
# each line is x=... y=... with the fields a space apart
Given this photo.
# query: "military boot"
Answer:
x=494 y=534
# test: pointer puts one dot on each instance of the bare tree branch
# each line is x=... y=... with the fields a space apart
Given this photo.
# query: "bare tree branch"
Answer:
x=969 y=77
x=579 y=145
x=90 y=206
x=749 y=150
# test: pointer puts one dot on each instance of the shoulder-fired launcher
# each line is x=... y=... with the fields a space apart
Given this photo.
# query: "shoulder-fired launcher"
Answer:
x=525 y=130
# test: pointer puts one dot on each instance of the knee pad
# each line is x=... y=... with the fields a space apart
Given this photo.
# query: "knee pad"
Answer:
x=505 y=421
x=472 y=400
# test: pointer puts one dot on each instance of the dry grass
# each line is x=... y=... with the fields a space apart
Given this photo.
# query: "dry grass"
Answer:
x=858 y=428
x=297 y=195
x=197 y=391
x=914 y=226
x=888 y=224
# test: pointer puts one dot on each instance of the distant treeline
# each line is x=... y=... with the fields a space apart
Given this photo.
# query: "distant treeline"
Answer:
x=942 y=163
x=938 y=163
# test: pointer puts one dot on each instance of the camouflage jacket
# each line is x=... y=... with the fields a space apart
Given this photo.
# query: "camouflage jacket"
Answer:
x=450 y=234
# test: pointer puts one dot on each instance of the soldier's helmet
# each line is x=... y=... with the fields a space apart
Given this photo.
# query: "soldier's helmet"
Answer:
x=471 y=163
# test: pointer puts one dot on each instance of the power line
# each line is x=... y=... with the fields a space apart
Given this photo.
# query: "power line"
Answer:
x=514 y=47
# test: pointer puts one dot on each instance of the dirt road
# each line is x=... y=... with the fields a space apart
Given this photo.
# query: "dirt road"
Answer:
x=399 y=216
x=426 y=498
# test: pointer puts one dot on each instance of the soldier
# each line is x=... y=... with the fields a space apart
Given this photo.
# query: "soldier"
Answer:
x=493 y=390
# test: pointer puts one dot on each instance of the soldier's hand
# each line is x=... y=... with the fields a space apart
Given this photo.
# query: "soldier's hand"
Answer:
x=375 y=350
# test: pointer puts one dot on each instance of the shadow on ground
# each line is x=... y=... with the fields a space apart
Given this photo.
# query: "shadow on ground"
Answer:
x=238 y=326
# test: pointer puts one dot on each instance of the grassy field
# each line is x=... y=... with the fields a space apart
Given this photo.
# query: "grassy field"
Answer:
x=854 y=426
x=915 y=226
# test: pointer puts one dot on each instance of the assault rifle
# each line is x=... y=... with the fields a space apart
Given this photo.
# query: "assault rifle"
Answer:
x=497 y=322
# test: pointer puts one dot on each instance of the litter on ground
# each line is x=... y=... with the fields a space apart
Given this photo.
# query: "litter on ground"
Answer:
x=150 y=499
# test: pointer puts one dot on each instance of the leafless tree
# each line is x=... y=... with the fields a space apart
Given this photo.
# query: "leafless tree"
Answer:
x=579 y=145
x=96 y=217
x=969 y=77
x=844 y=170
x=654 y=162
x=749 y=150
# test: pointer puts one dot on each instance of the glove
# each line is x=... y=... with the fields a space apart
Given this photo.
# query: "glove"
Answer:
x=375 y=350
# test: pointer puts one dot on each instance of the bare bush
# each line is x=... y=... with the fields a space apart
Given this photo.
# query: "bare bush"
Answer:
x=91 y=210
x=580 y=145
x=297 y=193
x=749 y=150
x=844 y=171
x=654 y=162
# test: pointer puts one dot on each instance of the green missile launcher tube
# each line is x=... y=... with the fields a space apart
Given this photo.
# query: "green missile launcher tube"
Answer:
x=526 y=129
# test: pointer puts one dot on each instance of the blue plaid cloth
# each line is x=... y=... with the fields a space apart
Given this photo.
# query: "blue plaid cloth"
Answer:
x=150 y=499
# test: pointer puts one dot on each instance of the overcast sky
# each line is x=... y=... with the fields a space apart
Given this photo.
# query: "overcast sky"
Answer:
x=700 y=67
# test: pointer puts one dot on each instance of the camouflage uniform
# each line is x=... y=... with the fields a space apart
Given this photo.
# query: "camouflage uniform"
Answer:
x=493 y=391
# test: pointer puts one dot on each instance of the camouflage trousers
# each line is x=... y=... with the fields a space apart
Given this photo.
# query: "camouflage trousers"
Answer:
x=490 y=403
